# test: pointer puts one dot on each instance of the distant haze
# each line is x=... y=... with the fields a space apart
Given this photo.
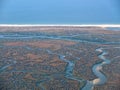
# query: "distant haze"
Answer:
x=59 y=12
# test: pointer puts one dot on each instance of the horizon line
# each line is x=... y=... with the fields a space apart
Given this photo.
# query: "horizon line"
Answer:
x=79 y=25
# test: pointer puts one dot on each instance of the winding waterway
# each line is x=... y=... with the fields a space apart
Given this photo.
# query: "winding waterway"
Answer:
x=101 y=78
x=69 y=67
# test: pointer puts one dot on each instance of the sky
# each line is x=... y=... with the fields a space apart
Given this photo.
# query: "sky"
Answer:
x=59 y=11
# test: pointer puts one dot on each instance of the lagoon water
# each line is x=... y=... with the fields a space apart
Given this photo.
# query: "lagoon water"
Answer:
x=59 y=12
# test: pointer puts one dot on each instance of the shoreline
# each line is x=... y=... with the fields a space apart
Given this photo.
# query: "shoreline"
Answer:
x=70 y=25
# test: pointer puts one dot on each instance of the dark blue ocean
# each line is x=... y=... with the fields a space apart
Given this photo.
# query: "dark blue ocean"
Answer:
x=59 y=11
